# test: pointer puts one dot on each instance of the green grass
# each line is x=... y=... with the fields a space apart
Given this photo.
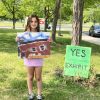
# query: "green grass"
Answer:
x=13 y=73
x=10 y=23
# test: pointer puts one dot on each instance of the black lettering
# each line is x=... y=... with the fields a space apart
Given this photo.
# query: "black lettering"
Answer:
x=68 y=65
x=74 y=66
x=83 y=53
x=73 y=51
x=79 y=66
x=78 y=52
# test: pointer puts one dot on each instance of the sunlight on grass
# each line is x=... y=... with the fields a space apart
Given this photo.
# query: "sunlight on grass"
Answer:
x=10 y=23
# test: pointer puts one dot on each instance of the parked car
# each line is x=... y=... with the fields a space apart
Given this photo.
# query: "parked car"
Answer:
x=94 y=30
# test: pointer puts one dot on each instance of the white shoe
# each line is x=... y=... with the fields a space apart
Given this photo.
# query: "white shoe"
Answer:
x=31 y=97
x=39 y=97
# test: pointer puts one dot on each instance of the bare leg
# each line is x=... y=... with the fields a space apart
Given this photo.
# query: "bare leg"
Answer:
x=30 y=75
x=38 y=76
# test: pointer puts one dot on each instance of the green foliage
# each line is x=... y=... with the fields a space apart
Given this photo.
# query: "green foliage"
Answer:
x=91 y=3
x=66 y=9
x=10 y=6
x=96 y=15
x=24 y=8
x=3 y=11
x=92 y=14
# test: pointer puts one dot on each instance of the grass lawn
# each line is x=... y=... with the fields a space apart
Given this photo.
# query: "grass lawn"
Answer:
x=13 y=74
x=86 y=26
x=10 y=23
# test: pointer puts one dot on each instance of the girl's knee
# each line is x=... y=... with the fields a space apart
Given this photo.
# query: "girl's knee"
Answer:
x=30 y=77
x=38 y=79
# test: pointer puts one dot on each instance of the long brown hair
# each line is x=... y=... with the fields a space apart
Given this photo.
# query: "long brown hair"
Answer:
x=29 y=21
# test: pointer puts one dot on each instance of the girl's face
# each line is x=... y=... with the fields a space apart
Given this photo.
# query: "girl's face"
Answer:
x=34 y=23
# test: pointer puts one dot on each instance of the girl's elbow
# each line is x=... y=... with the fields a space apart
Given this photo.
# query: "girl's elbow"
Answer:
x=17 y=39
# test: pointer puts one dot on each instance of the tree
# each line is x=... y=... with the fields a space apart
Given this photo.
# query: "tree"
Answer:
x=12 y=7
x=56 y=14
x=66 y=9
x=77 y=21
x=78 y=6
x=46 y=13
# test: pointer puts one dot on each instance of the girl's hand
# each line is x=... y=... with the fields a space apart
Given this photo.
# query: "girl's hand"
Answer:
x=49 y=40
x=17 y=39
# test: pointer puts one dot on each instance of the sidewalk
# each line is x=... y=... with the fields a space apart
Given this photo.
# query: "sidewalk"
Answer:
x=90 y=39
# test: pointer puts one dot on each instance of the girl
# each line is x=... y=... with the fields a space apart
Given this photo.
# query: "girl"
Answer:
x=33 y=66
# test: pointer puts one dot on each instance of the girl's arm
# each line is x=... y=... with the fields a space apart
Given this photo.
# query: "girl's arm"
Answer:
x=17 y=39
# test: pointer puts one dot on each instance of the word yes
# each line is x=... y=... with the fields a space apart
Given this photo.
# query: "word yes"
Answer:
x=78 y=52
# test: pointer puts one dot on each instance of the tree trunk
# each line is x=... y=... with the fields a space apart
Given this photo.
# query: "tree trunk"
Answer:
x=10 y=6
x=13 y=12
x=46 y=12
x=81 y=19
x=45 y=26
x=77 y=21
x=56 y=14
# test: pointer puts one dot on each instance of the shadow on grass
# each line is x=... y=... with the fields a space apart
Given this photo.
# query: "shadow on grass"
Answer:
x=7 y=40
x=95 y=48
x=4 y=30
x=60 y=45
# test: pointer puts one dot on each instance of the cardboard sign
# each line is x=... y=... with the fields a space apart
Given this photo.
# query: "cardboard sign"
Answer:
x=77 y=61
x=38 y=49
x=42 y=23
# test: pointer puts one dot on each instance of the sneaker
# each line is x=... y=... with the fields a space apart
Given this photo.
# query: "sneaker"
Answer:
x=39 y=97
x=31 y=97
